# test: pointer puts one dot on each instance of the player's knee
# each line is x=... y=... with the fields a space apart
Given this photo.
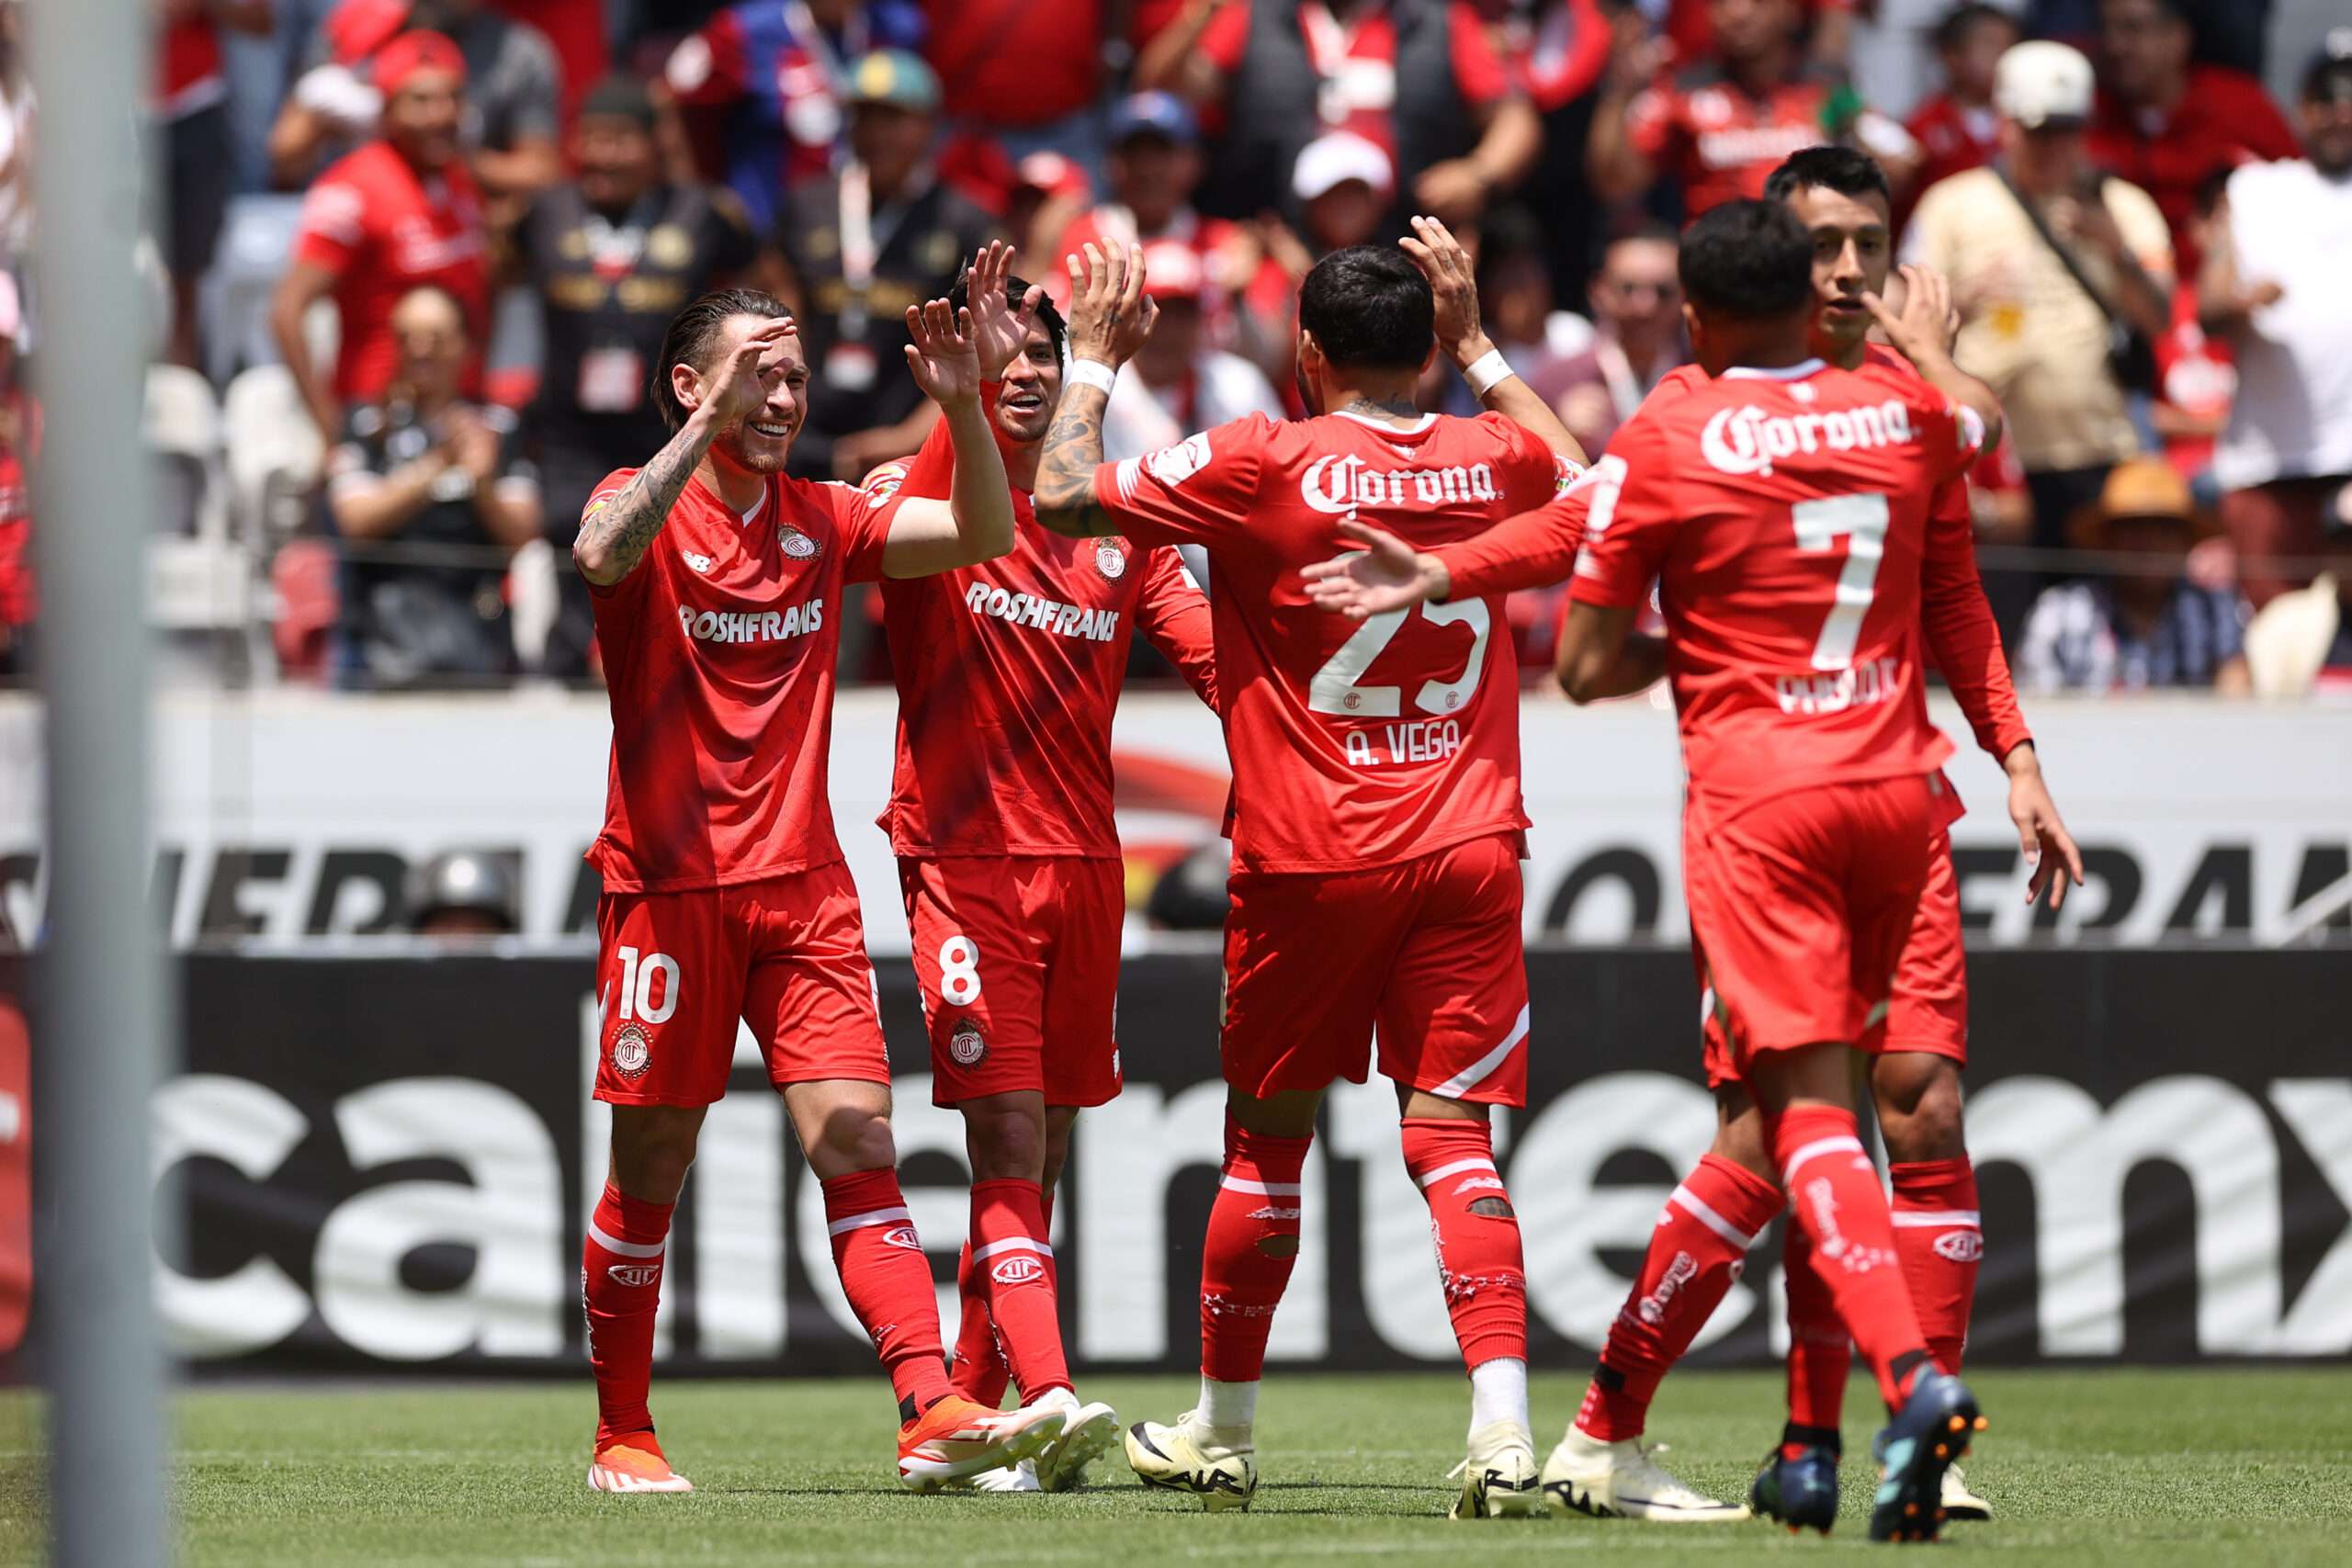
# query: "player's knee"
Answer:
x=1006 y=1146
x=1919 y=1107
x=859 y=1139
x=653 y=1148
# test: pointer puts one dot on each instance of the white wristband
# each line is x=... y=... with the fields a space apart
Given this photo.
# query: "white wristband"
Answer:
x=1488 y=371
x=1092 y=373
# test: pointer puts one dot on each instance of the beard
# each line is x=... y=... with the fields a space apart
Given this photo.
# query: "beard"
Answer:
x=755 y=454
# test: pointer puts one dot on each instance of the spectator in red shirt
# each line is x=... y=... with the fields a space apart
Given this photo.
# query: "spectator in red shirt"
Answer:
x=1028 y=71
x=1719 y=126
x=1419 y=79
x=2168 y=126
x=190 y=108
x=401 y=211
x=1557 y=49
x=1958 y=127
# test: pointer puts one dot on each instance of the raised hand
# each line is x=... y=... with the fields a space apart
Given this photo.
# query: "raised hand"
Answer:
x=1386 y=574
x=1109 y=316
x=738 y=386
x=1454 y=282
x=998 y=330
x=939 y=353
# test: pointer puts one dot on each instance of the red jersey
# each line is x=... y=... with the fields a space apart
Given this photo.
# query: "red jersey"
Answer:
x=382 y=228
x=1717 y=139
x=1353 y=50
x=2223 y=119
x=189 y=75
x=1008 y=674
x=1954 y=139
x=1020 y=64
x=718 y=657
x=1783 y=516
x=1354 y=744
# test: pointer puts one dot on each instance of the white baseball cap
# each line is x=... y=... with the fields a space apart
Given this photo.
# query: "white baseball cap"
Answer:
x=2040 y=82
x=1337 y=157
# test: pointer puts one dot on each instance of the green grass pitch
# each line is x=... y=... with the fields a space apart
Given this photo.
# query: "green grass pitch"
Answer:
x=2092 y=1466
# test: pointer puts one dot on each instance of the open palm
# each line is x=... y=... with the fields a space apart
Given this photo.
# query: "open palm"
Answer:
x=999 y=329
x=940 y=352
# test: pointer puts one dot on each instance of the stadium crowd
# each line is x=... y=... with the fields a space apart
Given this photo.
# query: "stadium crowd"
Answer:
x=411 y=261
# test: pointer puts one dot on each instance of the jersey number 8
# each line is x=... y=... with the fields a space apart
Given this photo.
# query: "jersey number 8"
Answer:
x=959 y=970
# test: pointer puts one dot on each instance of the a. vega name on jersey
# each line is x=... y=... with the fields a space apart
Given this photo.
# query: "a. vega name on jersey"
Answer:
x=751 y=625
x=1432 y=740
x=1035 y=611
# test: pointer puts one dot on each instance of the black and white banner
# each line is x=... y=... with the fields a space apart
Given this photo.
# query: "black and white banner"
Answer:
x=386 y=1161
x=291 y=816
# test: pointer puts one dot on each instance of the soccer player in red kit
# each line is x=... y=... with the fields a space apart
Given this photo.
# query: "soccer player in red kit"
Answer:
x=1782 y=510
x=1727 y=1200
x=1376 y=817
x=718 y=590
x=1008 y=672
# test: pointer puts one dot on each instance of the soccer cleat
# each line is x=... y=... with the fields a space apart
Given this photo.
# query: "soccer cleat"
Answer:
x=1091 y=1432
x=1798 y=1492
x=1621 y=1480
x=1213 y=1463
x=1914 y=1450
x=1022 y=1477
x=633 y=1462
x=1498 y=1479
x=1960 y=1503
x=955 y=1439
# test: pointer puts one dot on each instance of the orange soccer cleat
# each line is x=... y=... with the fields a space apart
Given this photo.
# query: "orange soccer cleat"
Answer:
x=956 y=1438
x=634 y=1462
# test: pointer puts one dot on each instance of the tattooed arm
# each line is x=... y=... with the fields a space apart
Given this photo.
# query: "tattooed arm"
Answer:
x=616 y=536
x=1110 y=317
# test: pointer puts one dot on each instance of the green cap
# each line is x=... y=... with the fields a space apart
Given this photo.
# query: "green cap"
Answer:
x=896 y=77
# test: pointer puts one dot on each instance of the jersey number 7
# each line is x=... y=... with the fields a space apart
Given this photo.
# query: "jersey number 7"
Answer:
x=1863 y=520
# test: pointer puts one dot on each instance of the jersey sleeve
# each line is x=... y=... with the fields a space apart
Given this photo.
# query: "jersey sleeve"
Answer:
x=1962 y=638
x=1479 y=73
x=1630 y=522
x=1531 y=550
x=1650 y=121
x=1197 y=492
x=1174 y=614
x=709 y=67
x=1531 y=472
x=863 y=518
x=333 y=226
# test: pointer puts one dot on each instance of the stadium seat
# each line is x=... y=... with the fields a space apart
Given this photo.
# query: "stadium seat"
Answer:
x=275 y=456
x=182 y=428
x=256 y=239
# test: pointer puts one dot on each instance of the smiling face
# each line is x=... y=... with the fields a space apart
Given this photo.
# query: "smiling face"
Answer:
x=1032 y=387
x=761 y=442
x=1851 y=250
x=421 y=119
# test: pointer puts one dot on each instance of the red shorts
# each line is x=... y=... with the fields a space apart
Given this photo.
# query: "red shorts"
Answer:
x=786 y=956
x=1801 y=908
x=1017 y=960
x=1426 y=953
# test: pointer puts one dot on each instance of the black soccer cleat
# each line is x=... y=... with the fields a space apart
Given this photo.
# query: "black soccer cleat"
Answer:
x=1800 y=1492
x=1933 y=1429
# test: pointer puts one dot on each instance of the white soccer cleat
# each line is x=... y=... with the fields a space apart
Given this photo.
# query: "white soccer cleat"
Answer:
x=1089 y=1434
x=633 y=1462
x=1498 y=1478
x=1214 y=1463
x=1022 y=1477
x=956 y=1440
x=1621 y=1480
x=1959 y=1502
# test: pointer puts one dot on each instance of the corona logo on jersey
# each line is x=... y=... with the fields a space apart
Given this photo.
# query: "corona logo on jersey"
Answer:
x=1335 y=485
x=1041 y=613
x=1747 y=440
x=751 y=625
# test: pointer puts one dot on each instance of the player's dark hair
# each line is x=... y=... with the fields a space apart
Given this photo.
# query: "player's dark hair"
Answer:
x=1370 y=309
x=1842 y=169
x=960 y=296
x=1747 y=260
x=694 y=334
x=1953 y=31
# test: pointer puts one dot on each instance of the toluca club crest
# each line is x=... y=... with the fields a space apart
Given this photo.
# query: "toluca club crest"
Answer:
x=796 y=545
x=967 y=1046
x=1111 y=560
x=632 y=1052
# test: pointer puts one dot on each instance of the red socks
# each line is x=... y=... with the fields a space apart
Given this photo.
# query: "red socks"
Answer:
x=1479 y=1257
x=1834 y=1196
x=888 y=1281
x=1695 y=1255
x=1937 y=1237
x=1013 y=1268
x=1251 y=1244
x=620 y=1282
x=979 y=1371
x=1821 y=1353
